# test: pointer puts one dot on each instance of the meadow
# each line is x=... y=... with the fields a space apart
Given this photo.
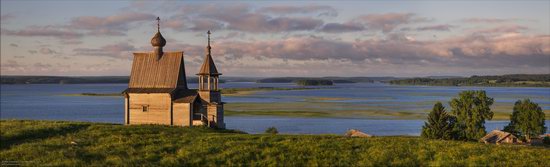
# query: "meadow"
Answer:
x=323 y=107
x=58 y=143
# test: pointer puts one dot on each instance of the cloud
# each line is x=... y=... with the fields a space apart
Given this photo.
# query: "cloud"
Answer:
x=70 y=42
x=461 y=52
x=14 y=45
x=175 y=24
x=43 y=31
x=502 y=29
x=285 y=9
x=442 y=27
x=388 y=21
x=241 y=17
x=6 y=17
x=116 y=24
x=206 y=24
x=120 y=50
x=42 y=66
x=47 y=51
x=487 y=20
x=11 y=65
x=339 y=27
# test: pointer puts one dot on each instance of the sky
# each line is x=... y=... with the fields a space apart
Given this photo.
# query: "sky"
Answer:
x=280 y=38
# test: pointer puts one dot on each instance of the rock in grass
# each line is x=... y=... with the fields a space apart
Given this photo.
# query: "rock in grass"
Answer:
x=356 y=133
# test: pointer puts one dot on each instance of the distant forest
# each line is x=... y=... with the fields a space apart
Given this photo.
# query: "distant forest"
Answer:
x=515 y=80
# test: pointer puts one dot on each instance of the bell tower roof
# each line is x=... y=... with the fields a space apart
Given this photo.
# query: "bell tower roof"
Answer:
x=208 y=67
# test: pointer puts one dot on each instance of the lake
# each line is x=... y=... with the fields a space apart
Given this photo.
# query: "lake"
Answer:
x=49 y=102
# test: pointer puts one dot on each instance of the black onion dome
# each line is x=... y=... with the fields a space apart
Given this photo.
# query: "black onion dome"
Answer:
x=158 y=40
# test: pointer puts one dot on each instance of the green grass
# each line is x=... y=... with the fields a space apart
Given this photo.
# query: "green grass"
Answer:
x=52 y=143
x=319 y=107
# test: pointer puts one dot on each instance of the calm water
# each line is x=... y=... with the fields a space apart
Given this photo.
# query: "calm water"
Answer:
x=46 y=102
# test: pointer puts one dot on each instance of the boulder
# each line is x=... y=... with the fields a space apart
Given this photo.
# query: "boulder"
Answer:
x=356 y=133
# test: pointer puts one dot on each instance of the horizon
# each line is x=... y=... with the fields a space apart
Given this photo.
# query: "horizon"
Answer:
x=280 y=39
x=281 y=76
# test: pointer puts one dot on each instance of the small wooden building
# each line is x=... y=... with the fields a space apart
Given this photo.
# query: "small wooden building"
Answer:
x=498 y=137
x=158 y=92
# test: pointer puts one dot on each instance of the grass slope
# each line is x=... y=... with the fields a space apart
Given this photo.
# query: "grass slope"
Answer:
x=56 y=143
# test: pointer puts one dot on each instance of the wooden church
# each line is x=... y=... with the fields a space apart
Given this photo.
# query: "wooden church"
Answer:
x=158 y=92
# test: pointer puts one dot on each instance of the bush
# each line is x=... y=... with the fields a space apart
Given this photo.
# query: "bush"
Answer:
x=271 y=130
x=546 y=140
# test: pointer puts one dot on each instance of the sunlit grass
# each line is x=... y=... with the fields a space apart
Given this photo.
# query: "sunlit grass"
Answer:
x=85 y=144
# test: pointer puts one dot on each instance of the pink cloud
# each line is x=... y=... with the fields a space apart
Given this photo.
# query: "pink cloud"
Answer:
x=486 y=20
x=502 y=29
x=285 y=9
x=116 y=24
x=47 y=51
x=43 y=31
x=119 y=50
x=241 y=17
x=441 y=27
x=388 y=21
x=338 y=27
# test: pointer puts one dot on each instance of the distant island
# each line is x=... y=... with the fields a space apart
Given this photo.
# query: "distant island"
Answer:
x=333 y=79
x=512 y=80
x=314 y=82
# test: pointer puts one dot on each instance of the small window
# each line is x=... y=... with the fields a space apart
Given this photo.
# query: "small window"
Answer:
x=145 y=108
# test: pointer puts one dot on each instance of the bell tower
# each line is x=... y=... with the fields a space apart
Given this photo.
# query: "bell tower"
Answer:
x=209 y=91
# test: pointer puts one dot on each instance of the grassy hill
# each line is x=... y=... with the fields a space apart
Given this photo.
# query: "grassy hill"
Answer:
x=46 y=143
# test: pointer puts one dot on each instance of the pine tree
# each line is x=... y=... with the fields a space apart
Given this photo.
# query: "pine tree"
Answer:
x=471 y=109
x=527 y=120
x=439 y=124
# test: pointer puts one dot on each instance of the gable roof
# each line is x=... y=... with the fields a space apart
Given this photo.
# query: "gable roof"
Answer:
x=496 y=136
x=166 y=72
x=185 y=96
x=208 y=67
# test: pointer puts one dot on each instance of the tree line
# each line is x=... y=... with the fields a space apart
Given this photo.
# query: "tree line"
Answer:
x=471 y=109
x=533 y=80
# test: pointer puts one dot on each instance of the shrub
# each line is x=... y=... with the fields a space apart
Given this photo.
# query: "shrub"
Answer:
x=271 y=130
x=546 y=140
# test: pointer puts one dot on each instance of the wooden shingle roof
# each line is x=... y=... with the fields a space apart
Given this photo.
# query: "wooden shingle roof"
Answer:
x=166 y=72
x=496 y=136
x=208 y=67
x=185 y=96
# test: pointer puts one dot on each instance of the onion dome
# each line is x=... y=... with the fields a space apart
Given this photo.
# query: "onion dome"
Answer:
x=158 y=40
